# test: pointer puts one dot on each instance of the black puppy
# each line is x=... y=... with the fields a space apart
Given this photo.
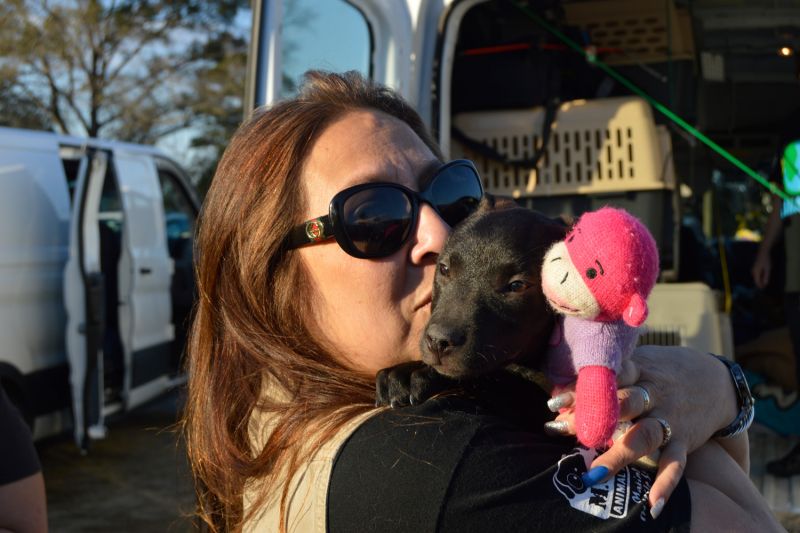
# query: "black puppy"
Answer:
x=488 y=309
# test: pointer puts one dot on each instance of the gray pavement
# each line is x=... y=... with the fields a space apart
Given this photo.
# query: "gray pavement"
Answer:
x=137 y=479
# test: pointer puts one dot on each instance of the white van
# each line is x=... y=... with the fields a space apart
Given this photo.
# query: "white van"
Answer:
x=96 y=277
x=477 y=71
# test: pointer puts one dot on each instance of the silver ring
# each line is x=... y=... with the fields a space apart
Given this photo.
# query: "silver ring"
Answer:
x=645 y=398
x=667 y=431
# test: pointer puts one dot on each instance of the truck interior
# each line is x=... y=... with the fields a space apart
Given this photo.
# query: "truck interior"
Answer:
x=518 y=93
x=582 y=137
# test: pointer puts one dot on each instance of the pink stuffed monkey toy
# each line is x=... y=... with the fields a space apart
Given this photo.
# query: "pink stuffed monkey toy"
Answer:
x=598 y=278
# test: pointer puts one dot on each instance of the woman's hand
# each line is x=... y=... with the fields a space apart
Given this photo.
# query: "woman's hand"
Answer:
x=691 y=391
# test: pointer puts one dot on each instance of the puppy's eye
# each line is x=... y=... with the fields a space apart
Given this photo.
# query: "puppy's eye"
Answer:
x=517 y=286
x=444 y=270
x=591 y=273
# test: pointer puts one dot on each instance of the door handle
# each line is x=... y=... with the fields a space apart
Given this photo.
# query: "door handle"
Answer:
x=145 y=270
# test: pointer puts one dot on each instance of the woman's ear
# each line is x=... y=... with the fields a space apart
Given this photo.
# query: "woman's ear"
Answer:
x=636 y=311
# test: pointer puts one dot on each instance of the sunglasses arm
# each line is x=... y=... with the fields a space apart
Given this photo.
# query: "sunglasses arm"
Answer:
x=310 y=231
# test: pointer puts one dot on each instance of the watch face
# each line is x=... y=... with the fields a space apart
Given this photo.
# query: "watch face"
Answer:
x=741 y=382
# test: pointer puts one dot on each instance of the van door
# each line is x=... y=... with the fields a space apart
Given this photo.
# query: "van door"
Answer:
x=181 y=207
x=292 y=36
x=84 y=300
x=145 y=273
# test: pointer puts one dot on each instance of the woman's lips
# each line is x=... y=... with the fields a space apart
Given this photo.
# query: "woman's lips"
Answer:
x=426 y=300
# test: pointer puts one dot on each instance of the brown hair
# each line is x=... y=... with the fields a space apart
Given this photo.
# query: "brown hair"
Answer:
x=253 y=297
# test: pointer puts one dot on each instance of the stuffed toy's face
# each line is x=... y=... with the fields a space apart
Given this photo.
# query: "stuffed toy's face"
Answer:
x=564 y=287
x=604 y=268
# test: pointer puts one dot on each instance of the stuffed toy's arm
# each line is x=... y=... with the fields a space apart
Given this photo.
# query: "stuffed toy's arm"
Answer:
x=597 y=410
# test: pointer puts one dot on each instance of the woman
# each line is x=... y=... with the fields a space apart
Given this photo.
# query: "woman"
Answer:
x=292 y=326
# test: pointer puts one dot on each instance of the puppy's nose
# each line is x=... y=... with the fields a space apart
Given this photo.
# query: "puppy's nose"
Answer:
x=442 y=341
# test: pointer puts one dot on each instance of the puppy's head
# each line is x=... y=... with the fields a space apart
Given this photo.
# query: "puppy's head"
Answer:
x=488 y=308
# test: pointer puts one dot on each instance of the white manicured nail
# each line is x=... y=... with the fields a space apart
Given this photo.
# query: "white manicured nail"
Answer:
x=657 y=508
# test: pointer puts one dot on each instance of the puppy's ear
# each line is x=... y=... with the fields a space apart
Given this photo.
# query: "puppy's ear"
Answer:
x=564 y=220
x=490 y=202
x=552 y=231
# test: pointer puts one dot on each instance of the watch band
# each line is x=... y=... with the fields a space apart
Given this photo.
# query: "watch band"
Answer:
x=747 y=409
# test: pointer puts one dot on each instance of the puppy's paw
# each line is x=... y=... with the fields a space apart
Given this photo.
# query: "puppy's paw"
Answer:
x=408 y=383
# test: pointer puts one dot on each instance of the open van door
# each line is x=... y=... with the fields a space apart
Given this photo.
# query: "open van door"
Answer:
x=84 y=299
x=145 y=275
x=117 y=289
x=374 y=37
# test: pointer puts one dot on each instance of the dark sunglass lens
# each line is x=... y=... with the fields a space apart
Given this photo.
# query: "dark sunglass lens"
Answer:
x=456 y=193
x=377 y=220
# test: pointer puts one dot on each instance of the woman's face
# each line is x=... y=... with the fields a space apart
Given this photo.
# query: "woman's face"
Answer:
x=372 y=311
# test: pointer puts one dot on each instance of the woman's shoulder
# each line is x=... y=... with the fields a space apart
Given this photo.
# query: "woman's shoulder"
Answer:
x=453 y=419
x=439 y=429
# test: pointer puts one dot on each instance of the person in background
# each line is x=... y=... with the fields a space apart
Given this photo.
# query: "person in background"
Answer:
x=317 y=247
x=23 y=507
x=784 y=218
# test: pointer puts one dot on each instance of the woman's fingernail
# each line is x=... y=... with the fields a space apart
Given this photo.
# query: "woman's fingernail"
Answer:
x=657 y=507
x=594 y=476
x=559 y=427
x=559 y=402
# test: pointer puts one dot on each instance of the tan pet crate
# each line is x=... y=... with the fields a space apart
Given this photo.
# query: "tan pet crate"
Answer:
x=595 y=146
x=687 y=314
x=635 y=31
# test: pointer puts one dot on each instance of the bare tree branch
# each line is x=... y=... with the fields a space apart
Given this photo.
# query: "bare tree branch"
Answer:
x=60 y=94
x=134 y=70
x=52 y=107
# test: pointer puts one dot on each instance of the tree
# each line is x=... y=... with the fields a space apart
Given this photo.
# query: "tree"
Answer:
x=16 y=111
x=118 y=69
x=217 y=102
x=219 y=86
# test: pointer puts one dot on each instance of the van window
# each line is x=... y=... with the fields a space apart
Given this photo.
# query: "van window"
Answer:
x=179 y=215
x=331 y=35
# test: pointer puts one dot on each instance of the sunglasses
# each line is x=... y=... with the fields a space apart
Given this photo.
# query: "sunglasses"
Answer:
x=374 y=220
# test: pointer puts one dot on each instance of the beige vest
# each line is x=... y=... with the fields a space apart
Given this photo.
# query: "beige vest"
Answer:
x=308 y=489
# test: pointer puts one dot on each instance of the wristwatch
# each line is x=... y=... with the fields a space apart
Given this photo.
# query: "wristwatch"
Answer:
x=747 y=409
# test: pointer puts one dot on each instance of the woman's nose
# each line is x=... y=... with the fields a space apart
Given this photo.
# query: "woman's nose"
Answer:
x=431 y=234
